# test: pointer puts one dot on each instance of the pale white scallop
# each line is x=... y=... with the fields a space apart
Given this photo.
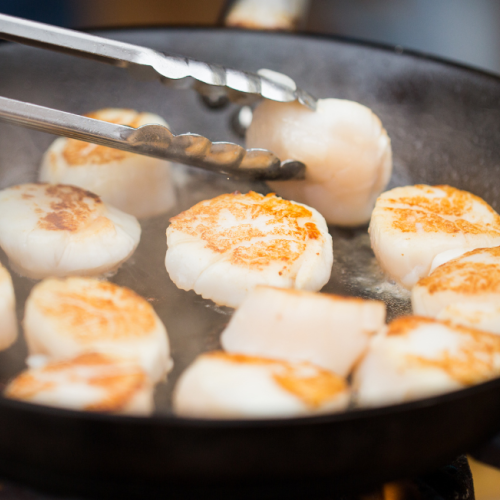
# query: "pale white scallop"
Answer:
x=327 y=330
x=413 y=226
x=417 y=357
x=344 y=146
x=91 y=382
x=65 y=318
x=446 y=256
x=138 y=185
x=58 y=230
x=222 y=248
x=223 y=385
x=465 y=290
x=8 y=320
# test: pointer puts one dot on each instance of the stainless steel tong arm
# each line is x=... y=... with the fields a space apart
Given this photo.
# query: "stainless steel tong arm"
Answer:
x=208 y=79
x=155 y=140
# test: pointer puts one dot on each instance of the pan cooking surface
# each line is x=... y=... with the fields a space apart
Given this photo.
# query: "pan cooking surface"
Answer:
x=444 y=122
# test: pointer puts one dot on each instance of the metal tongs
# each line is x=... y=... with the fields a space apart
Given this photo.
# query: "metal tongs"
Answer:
x=207 y=79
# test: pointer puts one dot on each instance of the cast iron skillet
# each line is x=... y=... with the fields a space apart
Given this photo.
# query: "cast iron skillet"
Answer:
x=444 y=121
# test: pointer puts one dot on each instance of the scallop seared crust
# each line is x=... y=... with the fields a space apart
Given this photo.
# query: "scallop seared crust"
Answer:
x=470 y=283
x=222 y=248
x=344 y=146
x=327 y=330
x=481 y=315
x=138 y=185
x=8 y=320
x=223 y=385
x=65 y=318
x=414 y=226
x=417 y=357
x=59 y=230
x=91 y=382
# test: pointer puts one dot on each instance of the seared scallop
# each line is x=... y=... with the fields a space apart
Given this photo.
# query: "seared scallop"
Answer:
x=327 y=330
x=65 y=318
x=8 y=320
x=58 y=230
x=222 y=385
x=346 y=150
x=222 y=248
x=417 y=357
x=413 y=226
x=138 y=185
x=483 y=316
x=91 y=382
x=465 y=290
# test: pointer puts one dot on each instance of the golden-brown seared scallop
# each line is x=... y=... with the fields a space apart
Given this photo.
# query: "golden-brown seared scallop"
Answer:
x=64 y=318
x=138 y=185
x=483 y=316
x=327 y=330
x=413 y=226
x=465 y=290
x=8 y=320
x=222 y=248
x=222 y=385
x=92 y=382
x=344 y=146
x=418 y=357
x=59 y=230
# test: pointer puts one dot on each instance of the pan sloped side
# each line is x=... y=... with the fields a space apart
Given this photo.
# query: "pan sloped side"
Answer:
x=69 y=453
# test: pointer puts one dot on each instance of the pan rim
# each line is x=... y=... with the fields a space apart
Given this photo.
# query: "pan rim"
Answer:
x=347 y=40
x=355 y=414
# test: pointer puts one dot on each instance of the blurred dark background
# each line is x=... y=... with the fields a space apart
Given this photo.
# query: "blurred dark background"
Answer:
x=467 y=31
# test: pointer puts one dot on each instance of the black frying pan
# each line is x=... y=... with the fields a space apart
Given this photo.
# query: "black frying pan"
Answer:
x=444 y=121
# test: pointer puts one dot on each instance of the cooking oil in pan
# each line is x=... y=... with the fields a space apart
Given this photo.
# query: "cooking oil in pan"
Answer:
x=193 y=323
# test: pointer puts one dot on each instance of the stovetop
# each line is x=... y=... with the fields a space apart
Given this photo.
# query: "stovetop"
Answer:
x=452 y=482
